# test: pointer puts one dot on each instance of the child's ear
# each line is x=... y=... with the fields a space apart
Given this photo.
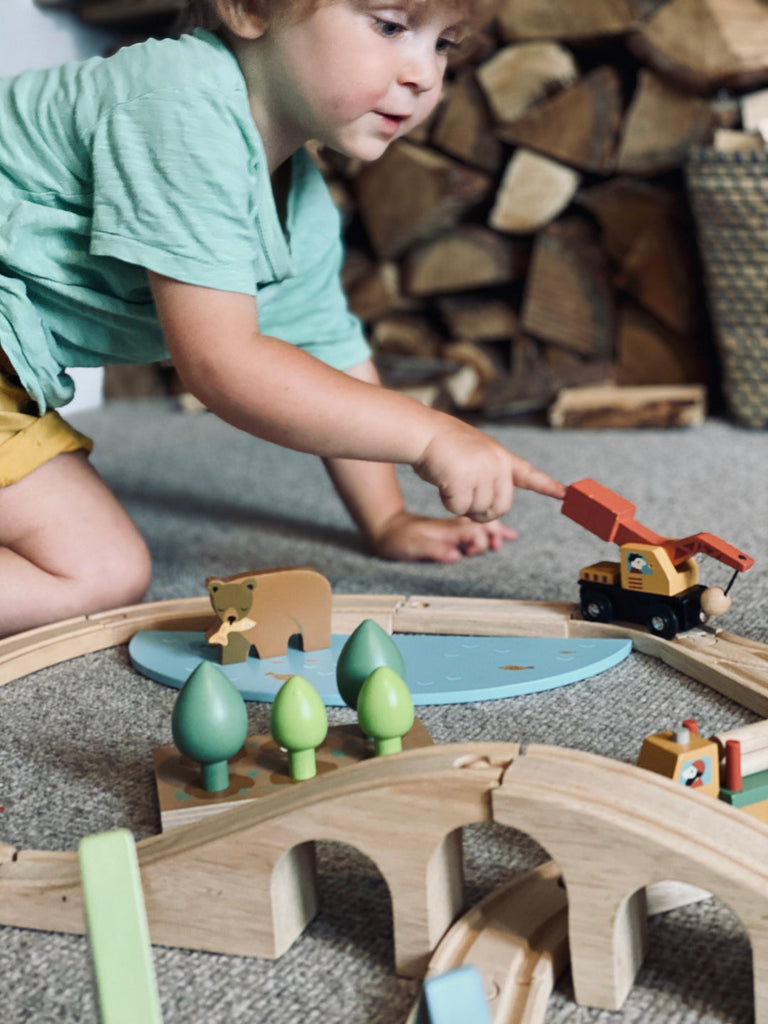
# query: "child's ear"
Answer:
x=238 y=17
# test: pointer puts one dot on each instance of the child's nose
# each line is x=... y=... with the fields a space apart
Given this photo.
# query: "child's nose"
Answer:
x=422 y=70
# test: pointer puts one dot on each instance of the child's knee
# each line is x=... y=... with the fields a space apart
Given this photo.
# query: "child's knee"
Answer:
x=119 y=573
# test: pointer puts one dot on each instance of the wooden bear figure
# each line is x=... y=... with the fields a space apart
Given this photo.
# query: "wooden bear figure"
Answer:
x=265 y=609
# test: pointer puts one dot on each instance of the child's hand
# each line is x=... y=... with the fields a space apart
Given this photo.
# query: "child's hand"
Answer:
x=475 y=475
x=411 y=538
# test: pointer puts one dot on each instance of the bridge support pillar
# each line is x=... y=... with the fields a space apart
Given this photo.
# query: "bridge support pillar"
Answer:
x=608 y=941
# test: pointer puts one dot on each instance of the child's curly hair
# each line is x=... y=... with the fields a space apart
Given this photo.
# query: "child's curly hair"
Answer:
x=203 y=13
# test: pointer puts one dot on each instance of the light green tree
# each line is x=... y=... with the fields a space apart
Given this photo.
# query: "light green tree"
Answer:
x=210 y=723
x=385 y=710
x=299 y=723
x=367 y=648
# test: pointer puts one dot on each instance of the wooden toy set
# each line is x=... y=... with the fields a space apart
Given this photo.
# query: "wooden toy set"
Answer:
x=237 y=807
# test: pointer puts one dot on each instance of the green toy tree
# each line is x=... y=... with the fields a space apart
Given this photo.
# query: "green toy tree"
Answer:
x=385 y=710
x=299 y=723
x=367 y=648
x=210 y=723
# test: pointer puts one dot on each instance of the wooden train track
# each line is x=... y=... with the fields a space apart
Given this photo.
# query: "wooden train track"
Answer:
x=517 y=937
x=733 y=665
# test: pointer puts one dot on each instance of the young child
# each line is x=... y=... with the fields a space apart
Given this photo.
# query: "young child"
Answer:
x=160 y=202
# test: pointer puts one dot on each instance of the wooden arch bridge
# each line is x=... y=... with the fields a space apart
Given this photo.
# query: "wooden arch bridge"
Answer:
x=243 y=882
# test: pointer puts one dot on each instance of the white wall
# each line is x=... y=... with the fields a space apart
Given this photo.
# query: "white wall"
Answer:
x=34 y=37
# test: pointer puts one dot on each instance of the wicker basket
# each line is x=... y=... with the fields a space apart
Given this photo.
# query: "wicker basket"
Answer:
x=729 y=197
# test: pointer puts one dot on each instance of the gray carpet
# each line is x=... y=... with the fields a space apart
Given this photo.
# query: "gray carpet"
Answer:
x=77 y=739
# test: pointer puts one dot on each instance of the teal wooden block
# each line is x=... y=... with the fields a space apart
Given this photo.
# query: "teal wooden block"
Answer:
x=456 y=997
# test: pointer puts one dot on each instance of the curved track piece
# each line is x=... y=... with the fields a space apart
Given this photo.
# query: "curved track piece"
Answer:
x=734 y=666
x=517 y=937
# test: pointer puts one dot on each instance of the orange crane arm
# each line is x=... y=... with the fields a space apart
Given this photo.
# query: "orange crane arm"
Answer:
x=612 y=518
x=606 y=514
x=708 y=544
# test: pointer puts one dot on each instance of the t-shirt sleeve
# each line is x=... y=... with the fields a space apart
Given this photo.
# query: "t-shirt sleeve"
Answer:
x=173 y=191
x=310 y=309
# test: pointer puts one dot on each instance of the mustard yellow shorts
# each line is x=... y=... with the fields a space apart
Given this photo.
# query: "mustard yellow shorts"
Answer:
x=27 y=439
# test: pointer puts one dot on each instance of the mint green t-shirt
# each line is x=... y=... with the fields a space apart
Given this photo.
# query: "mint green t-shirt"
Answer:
x=150 y=159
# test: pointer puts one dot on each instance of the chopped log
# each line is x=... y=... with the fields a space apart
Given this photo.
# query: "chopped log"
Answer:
x=533 y=191
x=623 y=207
x=647 y=352
x=471 y=256
x=535 y=381
x=518 y=77
x=357 y=265
x=378 y=293
x=468 y=385
x=406 y=334
x=657 y=270
x=411 y=192
x=578 y=126
x=642 y=231
x=726 y=140
x=470 y=354
x=572 y=19
x=464 y=126
x=609 y=407
x=464 y=388
x=707 y=44
x=478 y=319
x=754 y=112
x=660 y=126
x=568 y=296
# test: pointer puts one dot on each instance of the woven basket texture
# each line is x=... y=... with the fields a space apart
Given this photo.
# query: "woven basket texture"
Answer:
x=729 y=198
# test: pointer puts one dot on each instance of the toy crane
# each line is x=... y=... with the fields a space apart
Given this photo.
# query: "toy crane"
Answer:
x=657 y=580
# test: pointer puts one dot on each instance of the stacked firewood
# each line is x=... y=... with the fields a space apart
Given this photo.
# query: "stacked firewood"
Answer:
x=535 y=236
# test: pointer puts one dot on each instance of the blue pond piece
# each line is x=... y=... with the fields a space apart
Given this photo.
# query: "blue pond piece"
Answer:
x=440 y=669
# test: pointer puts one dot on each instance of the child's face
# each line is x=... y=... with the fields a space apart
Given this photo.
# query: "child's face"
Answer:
x=356 y=74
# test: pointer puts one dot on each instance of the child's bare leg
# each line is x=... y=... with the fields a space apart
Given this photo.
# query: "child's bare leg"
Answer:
x=67 y=547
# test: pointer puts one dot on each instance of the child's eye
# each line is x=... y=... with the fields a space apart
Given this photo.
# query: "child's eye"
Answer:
x=445 y=46
x=388 y=28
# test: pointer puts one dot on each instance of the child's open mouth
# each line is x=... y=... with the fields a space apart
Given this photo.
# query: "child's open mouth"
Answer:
x=390 y=122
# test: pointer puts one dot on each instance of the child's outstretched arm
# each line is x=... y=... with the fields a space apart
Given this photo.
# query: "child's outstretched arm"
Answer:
x=276 y=391
x=371 y=493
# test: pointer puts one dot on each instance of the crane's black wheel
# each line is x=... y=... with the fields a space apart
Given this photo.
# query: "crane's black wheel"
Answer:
x=596 y=606
x=663 y=621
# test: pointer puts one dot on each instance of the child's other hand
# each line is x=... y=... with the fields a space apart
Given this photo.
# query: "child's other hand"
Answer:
x=476 y=476
x=411 y=538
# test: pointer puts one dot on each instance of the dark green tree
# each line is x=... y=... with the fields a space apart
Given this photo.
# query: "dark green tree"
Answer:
x=210 y=723
x=367 y=648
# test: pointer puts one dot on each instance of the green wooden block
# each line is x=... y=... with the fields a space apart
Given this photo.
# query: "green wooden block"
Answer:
x=118 y=930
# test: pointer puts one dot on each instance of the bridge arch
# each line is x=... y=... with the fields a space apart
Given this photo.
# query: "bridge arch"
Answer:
x=614 y=829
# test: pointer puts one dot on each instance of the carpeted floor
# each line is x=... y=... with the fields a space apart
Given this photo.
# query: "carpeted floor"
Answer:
x=77 y=739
